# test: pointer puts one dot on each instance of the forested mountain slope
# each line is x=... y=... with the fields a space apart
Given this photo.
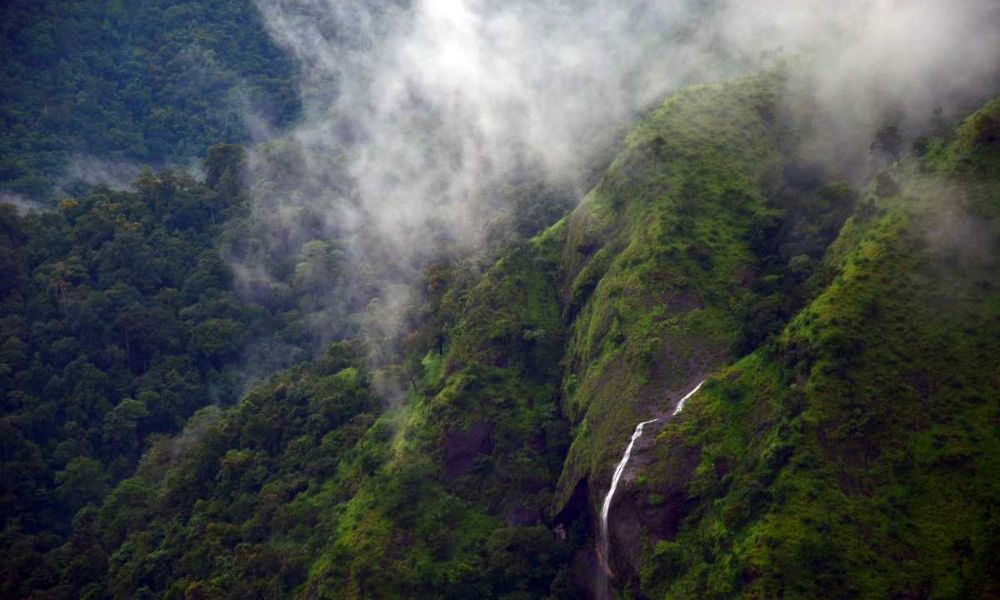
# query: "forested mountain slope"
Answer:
x=854 y=454
x=118 y=320
x=842 y=446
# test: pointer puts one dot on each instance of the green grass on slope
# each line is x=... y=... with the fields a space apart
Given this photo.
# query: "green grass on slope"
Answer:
x=857 y=456
x=665 y=260
x=456 y=510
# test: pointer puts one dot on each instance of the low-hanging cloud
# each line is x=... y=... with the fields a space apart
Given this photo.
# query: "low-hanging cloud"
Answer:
x=21 y=204
x=91 y=170
x=416 y=113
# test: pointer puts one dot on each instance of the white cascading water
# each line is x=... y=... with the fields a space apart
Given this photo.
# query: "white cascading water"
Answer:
x=605 y=541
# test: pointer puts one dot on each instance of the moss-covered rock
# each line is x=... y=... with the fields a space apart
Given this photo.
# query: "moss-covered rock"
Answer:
x=858 y=452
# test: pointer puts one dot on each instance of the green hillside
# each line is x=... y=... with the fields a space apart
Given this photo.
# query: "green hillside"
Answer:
x=843 y=445
x=856 y=454
x=130 y=81
x=118 y=321
x=172 y=430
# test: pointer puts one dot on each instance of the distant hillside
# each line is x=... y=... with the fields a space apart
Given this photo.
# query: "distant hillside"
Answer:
x=96 y=83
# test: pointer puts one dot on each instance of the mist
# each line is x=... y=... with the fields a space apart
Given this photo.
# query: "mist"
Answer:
x=417 y=114
x=91 y=170
x=21 y=204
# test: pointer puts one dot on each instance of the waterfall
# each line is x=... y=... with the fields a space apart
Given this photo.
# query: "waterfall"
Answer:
x=604 y=568
x=680 y=405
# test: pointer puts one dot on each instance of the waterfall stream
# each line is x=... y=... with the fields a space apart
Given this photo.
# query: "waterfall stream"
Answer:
x=604 y=539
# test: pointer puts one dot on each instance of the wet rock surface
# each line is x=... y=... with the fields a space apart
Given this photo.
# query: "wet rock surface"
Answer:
x=641 y=517
x=463 y=446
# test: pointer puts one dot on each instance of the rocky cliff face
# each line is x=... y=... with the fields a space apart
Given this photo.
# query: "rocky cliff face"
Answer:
x=674 y=269
x=642 y=514
x=825 y=459
x=652 y=257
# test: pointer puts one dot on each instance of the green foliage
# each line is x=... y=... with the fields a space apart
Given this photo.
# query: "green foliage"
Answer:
x=974 y=147
x=456 y=508
x=844 y=443
x=857 y=407
x=854 y=456
x=150 y=82
x=117 y=323
x=81 y=482
x=239 y=502
x=699 y=243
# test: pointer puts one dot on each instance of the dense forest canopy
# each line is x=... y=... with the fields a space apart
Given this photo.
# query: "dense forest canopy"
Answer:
x=104 y=86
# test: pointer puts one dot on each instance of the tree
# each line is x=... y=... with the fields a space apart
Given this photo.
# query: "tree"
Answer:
x=216 y=340
x=887 y=144
x=224 y=170
x=81 y=482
